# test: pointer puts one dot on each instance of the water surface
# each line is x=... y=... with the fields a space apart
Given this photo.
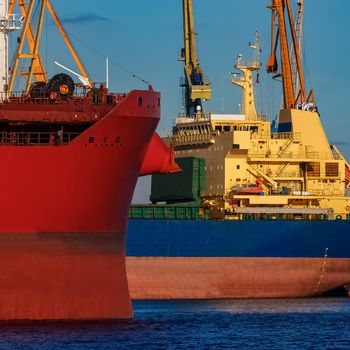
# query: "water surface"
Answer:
x=322 y=323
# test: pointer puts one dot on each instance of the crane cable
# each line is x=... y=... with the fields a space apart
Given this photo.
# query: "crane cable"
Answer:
x=110 y=60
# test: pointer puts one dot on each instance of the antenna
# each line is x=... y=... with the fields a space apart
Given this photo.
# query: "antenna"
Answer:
x=107 y=73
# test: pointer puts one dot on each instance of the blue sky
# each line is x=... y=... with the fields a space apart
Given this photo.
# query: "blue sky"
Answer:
x=145 y=38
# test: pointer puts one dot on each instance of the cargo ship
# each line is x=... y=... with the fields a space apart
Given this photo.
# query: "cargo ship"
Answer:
x=261 y=209
x=71 y=154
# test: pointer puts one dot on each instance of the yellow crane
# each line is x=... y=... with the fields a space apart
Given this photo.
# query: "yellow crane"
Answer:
x=36 y=69
x=197 y=88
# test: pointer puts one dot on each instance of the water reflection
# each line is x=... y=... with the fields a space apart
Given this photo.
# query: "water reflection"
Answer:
x=241 y=306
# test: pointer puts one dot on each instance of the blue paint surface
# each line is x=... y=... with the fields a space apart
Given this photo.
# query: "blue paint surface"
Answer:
x=189 y=238
x=285 y=127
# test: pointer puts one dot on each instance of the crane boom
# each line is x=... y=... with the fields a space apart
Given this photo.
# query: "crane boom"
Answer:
x=36 y=69
x=282 y=10
x=299 y=21
x=196 y=86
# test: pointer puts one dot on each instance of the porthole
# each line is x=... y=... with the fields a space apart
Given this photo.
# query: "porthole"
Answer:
x=139 y=101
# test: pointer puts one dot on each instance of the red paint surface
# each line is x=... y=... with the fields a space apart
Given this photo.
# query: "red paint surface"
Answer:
x=75 y=109
x=63 y=276
x=63 y=212
x=198 y=278
x=159 y=158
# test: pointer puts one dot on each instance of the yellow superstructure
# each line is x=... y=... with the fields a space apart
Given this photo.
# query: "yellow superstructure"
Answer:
x=253 y=170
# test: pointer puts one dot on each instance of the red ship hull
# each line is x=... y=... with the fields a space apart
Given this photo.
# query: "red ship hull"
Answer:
x=63 y=214
x=201 y=278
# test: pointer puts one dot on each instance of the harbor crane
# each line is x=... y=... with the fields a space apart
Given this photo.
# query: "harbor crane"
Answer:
x=196 y=87
x=291 y=65
x=36 y=70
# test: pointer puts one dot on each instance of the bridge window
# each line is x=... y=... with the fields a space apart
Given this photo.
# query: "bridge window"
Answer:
x=332 y=169
x=313 y=169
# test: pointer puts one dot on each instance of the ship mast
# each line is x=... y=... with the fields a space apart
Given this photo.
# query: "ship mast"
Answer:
x=3 y=46
x=8 y=23
x=246 y=80
x=36 y=70
x=197 y=88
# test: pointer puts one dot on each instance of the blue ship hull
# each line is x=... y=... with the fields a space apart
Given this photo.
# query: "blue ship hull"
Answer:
x=190 y=238
x=217 y=259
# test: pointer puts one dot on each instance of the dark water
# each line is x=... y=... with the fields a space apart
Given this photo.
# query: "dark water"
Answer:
x=229 y=324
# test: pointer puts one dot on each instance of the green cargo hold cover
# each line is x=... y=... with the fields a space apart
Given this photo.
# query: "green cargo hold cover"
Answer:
x=183 y=187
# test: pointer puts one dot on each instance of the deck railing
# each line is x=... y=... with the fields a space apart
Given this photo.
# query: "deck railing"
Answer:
x=36 y=138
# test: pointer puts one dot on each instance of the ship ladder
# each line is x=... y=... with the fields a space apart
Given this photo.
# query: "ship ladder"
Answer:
x=323 y=271
x=285 y=147
x=257 y=172
x=280 y=169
